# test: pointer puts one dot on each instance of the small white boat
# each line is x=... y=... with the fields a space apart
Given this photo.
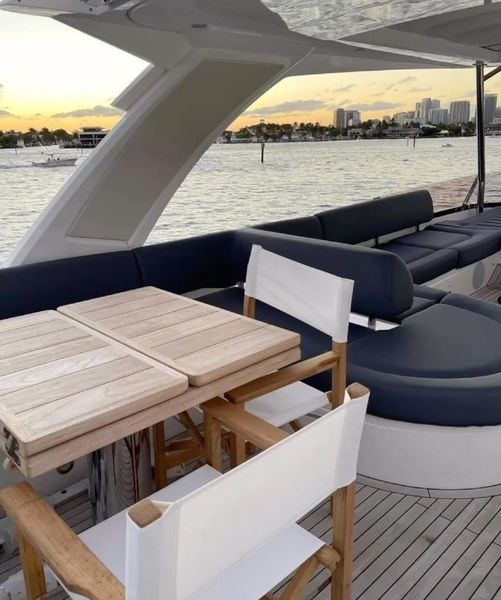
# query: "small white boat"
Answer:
x=53 y=161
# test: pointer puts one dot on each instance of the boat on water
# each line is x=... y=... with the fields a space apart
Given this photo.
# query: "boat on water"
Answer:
x=110 y=347
x=55 y=161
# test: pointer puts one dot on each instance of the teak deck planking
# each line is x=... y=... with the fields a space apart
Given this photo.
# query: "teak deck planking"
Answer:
x=58 y=380
x=201 y=341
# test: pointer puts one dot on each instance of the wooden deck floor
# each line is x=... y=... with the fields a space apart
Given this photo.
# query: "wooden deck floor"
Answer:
x=406 y=547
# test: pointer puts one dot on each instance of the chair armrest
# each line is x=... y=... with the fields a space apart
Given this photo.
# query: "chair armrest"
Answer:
x=252 y=428
x=73 y=563
x=278 y=379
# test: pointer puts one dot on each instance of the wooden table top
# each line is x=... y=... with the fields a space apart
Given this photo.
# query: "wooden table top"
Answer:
x=60 y=380
x=204 y=342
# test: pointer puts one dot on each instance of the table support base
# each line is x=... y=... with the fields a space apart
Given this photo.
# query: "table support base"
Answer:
x=120 y=475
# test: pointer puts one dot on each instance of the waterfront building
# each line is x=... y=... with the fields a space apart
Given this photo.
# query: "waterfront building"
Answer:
x=436 y=116
x=490 y=105
x=89 y=137
x=459 y=112
x=404 y=117
x=352 y=118
x=387 y=118
x=339 y=119
x=425 y=106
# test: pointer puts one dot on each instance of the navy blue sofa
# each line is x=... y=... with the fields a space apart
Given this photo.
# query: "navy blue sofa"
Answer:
x=441 y=366
x=428 y=252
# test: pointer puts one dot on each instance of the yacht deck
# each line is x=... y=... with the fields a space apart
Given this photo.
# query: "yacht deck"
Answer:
x=407 y=547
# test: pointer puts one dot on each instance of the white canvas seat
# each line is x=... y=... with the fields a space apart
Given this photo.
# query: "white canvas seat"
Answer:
x=209 y=536
x=288 y=403
x=317 y=298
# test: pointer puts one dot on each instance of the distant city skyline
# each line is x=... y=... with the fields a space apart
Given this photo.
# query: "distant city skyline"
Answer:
x=427 y=111
x=78 y=88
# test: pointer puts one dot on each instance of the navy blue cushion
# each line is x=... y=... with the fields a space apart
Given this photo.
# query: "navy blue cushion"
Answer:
x=424 y=291
x=442 y=366
x=184 y=265
x=489 y=219
x=48 y=285
x=407 y=253
x=418 y=305
x=478 y=245
x=424 y=297
x=487 y=309
x=383 y=286
x=303 y=226
x=433 y=239
x=368 y=220
x=433 y=265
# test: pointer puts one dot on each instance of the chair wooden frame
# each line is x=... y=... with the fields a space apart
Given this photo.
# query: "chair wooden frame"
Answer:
x=45 y=538
x=337 y=557
x=335 y=360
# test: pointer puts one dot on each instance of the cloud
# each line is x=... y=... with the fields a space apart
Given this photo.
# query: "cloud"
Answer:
x=378 y=105
x=416 y=89
x=345 y=101
x=289 y=107
x=5 y=113
x=408 y=79
x=96 y=111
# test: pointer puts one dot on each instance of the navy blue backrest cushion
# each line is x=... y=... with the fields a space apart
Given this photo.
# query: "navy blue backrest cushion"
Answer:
x=383 y=285
x=47 y=285
x=304 y=226
x=364 y=221
x=184 y=265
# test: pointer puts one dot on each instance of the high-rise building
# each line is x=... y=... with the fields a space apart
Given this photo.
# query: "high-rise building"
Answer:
x=459 y=112
x=352 y=118
x=339 y=121
x=404 y=117
x=425 y=106
x=490 y=104
x=438 y=116
x=417 y=112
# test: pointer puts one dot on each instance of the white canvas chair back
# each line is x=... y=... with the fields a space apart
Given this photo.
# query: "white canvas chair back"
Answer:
x=202 y=535
x=315 y=297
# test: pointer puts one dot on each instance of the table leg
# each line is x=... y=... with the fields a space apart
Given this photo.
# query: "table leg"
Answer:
x=120 y=475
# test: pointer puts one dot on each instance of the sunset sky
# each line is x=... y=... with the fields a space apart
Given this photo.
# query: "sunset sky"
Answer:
x=54 y=76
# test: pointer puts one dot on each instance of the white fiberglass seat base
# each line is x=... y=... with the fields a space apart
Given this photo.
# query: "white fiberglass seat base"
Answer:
x=249 y=579
x=288 y=403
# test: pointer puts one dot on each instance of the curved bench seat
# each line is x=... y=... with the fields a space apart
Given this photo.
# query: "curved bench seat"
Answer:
x=442 y=366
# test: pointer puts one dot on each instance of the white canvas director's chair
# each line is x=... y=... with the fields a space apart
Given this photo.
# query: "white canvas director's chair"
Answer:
x=318 y=299
x=210 y=536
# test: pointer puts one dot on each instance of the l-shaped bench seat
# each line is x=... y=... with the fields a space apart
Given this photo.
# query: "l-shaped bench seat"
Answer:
x=398 y=224
x=442 y=365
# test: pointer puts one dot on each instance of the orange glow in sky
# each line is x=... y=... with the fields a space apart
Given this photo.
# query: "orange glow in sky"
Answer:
x=54 y=76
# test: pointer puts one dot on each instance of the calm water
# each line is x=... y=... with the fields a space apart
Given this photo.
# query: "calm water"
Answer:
x=229 y=187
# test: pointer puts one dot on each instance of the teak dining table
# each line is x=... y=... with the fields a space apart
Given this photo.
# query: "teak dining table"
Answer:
x=75 y=381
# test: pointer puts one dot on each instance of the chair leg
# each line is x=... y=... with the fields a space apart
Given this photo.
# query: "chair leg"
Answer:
x=34 y=576
x=160 y=457
x=338 y=375
x=238 y=452
x=343 y=507
x=296 y=586
x=213 y=446
x=187 y=421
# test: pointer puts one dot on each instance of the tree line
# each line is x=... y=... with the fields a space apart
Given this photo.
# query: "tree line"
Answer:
x=370 y=128
x=34 y=137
